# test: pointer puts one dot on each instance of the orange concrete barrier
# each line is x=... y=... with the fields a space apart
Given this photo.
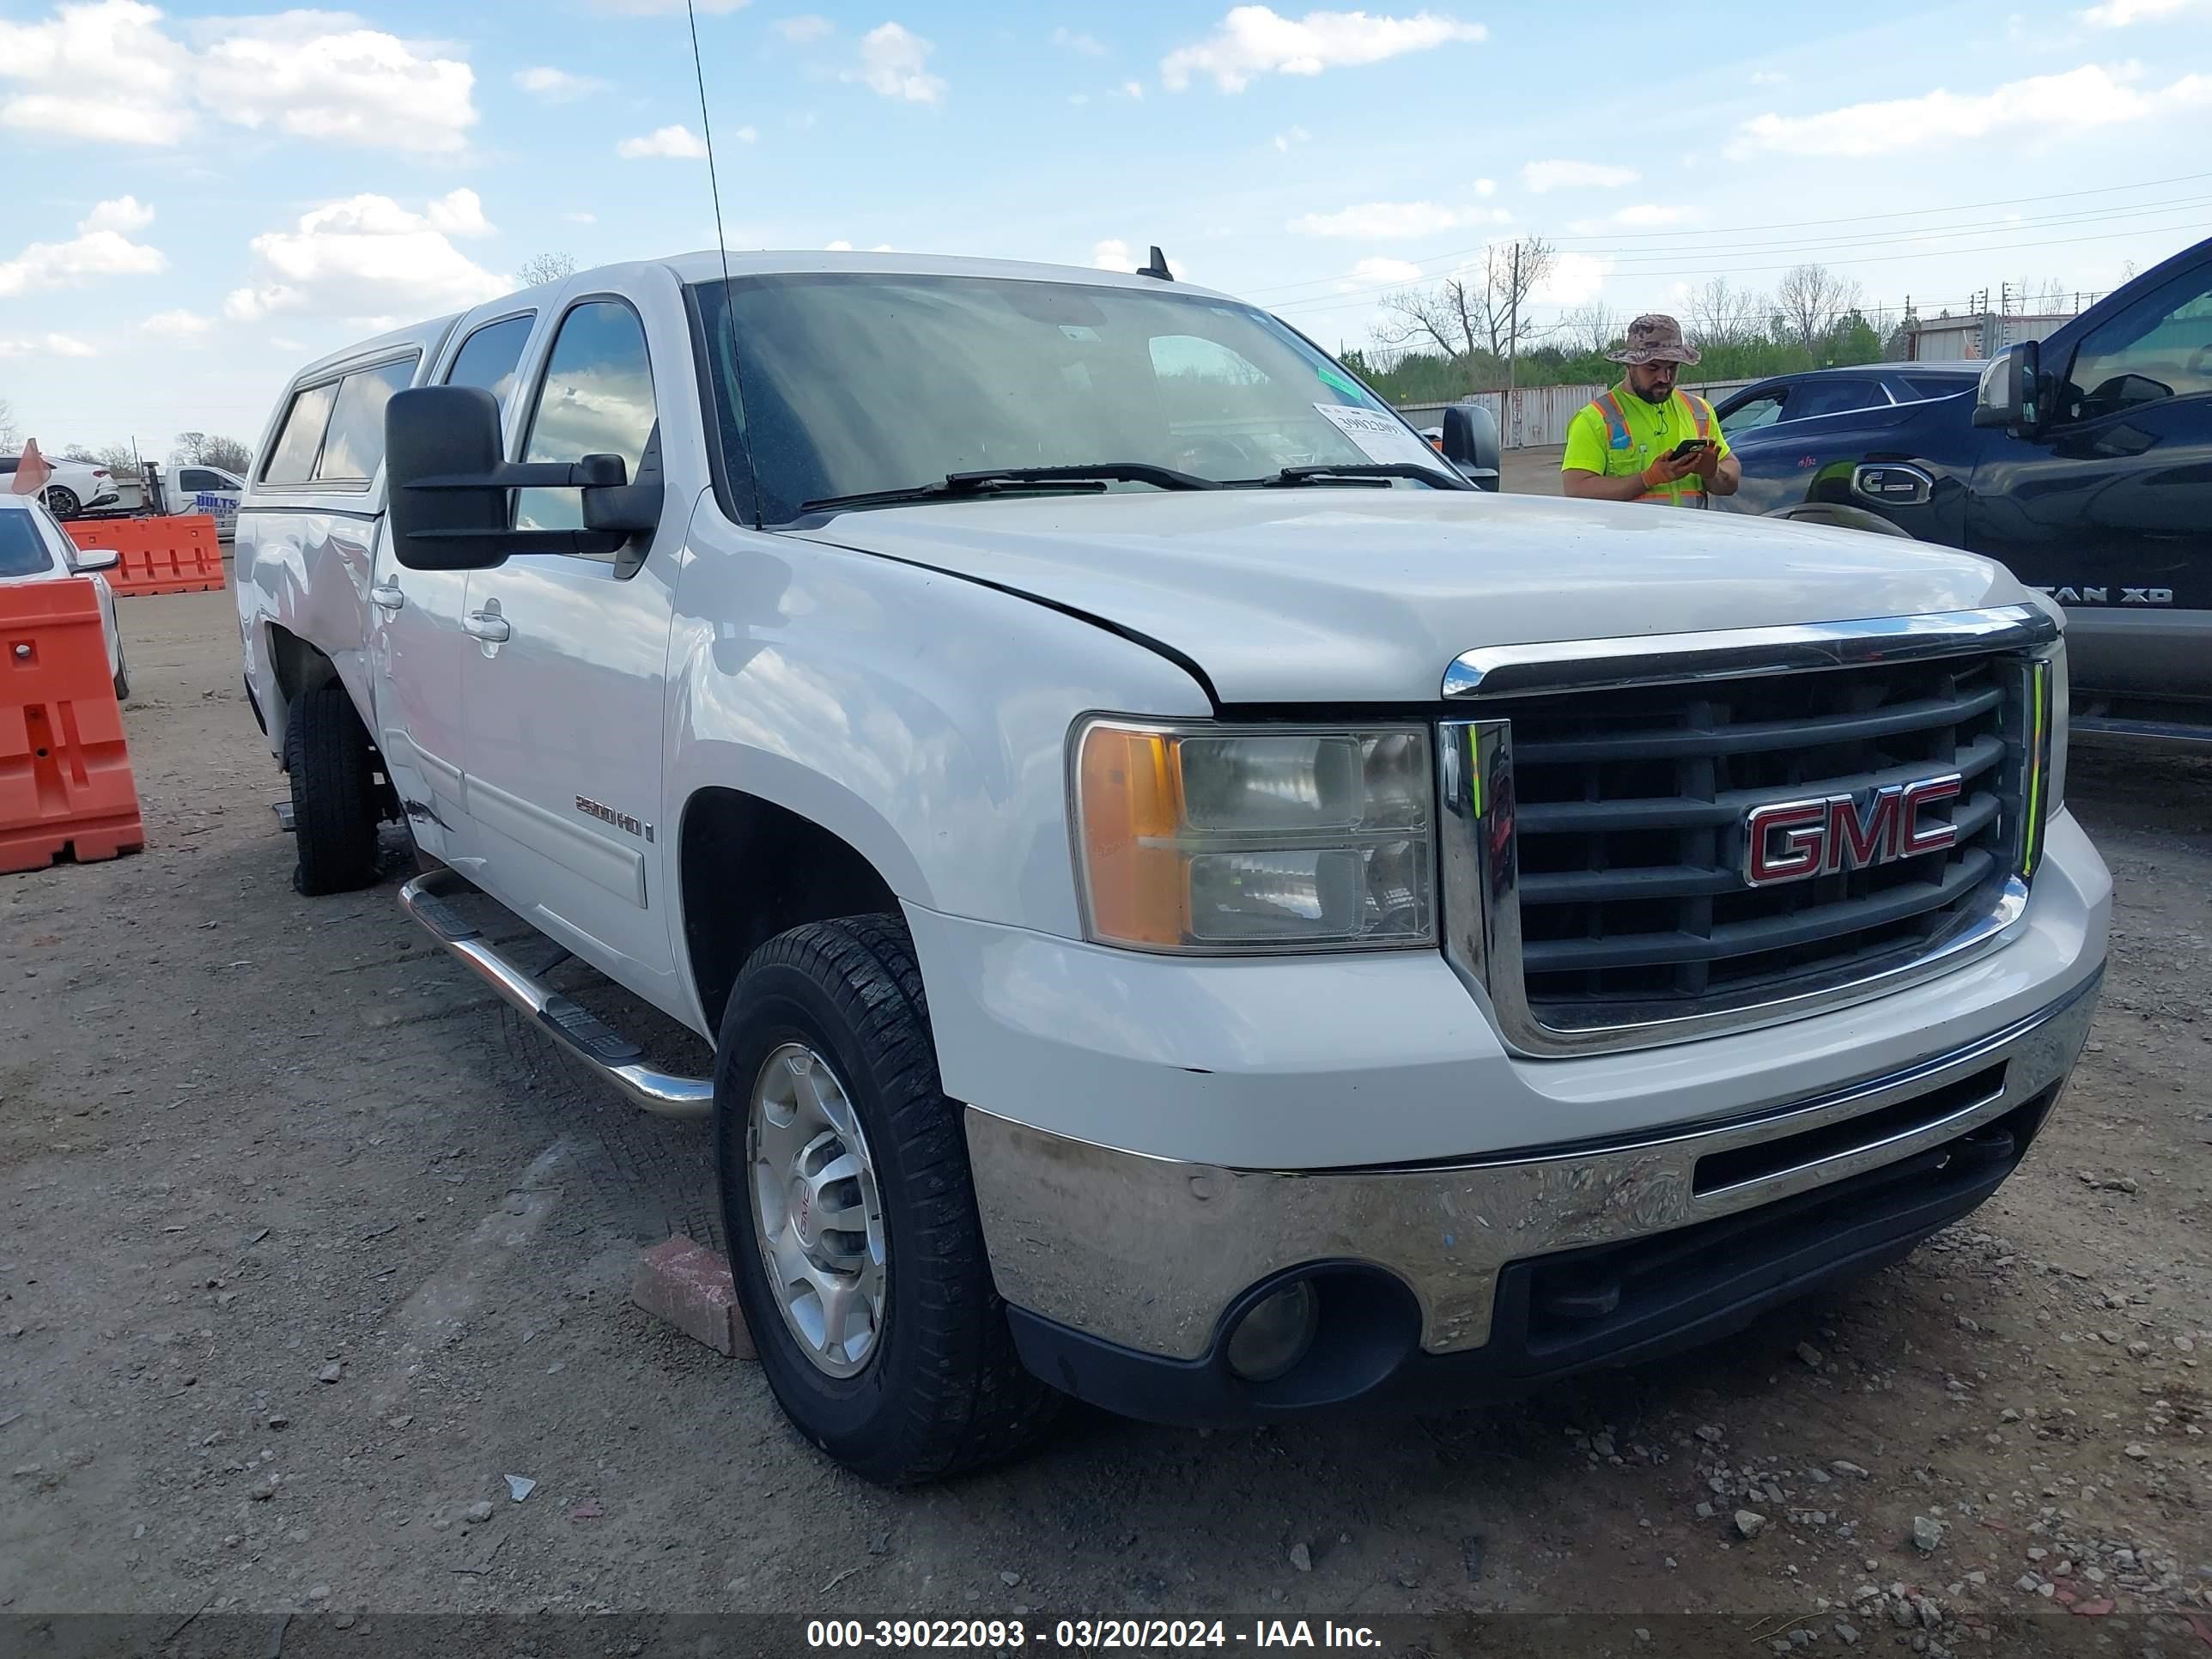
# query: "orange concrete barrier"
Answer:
x=65 y=783
x=177 y=555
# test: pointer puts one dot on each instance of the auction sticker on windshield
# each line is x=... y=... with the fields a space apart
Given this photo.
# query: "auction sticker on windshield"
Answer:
x=1380 y=437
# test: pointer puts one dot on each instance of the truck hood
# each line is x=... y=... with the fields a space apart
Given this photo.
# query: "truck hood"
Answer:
x=1336 y=595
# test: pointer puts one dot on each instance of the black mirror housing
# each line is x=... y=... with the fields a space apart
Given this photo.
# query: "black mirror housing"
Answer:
x=445 y=433
x=1472 y=445
x=2007 y=397
x=448 y=488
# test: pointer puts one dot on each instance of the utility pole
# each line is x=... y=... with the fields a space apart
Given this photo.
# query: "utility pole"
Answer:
x=1512 y=330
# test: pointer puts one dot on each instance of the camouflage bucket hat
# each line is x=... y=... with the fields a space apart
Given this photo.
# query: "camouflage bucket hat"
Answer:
x=1654 y=339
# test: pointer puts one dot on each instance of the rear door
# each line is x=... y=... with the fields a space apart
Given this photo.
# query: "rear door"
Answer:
x=563 y=683
x=2109 y=507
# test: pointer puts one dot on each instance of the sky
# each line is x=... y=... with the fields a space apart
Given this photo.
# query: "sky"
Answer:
x=198 y=201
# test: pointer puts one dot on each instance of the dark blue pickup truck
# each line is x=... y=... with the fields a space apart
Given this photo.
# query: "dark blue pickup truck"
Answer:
x=2082 y=461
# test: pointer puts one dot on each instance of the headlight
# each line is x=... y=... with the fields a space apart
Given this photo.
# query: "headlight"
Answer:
x=1231 y=839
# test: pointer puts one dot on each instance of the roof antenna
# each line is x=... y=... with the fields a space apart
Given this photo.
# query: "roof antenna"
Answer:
x=1157 y=269
x=722 y=243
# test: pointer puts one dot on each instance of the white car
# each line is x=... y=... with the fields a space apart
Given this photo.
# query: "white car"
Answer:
x=35 y=548
x=75 y=487
x=1196 y=906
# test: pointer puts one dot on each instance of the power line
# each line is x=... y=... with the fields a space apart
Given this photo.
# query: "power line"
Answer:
x=1800 y=224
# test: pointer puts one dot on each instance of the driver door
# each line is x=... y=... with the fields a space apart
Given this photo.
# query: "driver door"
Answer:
x=2109 y=507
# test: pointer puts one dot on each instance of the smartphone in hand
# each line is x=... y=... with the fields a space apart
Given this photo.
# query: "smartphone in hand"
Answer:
x=1688 y=447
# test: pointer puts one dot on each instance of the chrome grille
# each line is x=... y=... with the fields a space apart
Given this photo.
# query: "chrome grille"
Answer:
x=1595 y=885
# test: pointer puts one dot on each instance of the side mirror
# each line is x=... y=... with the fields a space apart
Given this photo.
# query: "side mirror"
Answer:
x=87 y=560
x=448 y=487
x=1471 y=444
x=2007 y=396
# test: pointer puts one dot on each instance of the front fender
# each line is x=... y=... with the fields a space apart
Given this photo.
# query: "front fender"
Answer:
x=921 y=717
x=1814 y=462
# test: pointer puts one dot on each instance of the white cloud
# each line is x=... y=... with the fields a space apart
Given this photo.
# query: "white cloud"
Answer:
x=99 y=249
x=1769 y=78
x=581 y=217
x=459 y=213
x=185 y=327
x=125 y=213
x=107 y=72
x=1485 y=187
x=1540 y=176
x=2119 y=14
x=1379 y=272
x=557 y=86
x=116 y=47
x=1575 y=279
x=1132 y=90
x=1255 y=40
x=320 y=75
x=803 y=28
x=747 y=134
x=1078 y=99
x=1113 y=254
x=1380 y=220
x=1087 y=45
x=45 y=345
x=2091 y=96
x=894 y=63
x=677 y=143
x=366 y=257
x=840 y=245
x=1295 y=135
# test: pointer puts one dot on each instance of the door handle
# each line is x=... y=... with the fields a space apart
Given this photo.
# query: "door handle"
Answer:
x=386 y=596
x=488 y=626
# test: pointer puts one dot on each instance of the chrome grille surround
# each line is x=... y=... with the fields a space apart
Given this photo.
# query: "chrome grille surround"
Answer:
x=1982 y=678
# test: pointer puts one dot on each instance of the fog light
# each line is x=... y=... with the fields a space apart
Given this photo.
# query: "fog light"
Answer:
x=1274 y=1333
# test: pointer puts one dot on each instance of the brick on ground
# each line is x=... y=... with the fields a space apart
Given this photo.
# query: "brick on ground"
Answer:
x=690 y=1286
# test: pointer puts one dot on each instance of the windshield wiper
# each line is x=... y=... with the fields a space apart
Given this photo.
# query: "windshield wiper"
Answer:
x=1091 y=476
x=1377 y=474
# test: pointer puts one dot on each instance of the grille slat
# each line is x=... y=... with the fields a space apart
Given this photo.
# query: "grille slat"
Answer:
x=1629 y=825
x=1762 y=735
x=1816 y=924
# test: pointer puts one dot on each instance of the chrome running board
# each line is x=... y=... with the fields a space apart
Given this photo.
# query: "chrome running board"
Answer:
x=575 y=1028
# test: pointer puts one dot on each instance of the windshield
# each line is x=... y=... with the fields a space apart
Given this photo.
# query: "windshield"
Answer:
x=21 y=551
x=855 y=381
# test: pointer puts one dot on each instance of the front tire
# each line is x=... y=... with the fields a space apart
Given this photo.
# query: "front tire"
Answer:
x=333 y=793
x=850 y=1212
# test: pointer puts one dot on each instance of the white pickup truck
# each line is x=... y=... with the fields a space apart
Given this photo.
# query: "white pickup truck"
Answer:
x=1195 y=907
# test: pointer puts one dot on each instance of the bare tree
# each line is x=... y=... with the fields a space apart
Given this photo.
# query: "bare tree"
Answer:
x=1723 y=316
x=121 y=459
x=1592 y=327
x=83 y=452
x=212 y=449
x=10 y=435
x=1812 y=300
x=546 y=268
x=1484 y=309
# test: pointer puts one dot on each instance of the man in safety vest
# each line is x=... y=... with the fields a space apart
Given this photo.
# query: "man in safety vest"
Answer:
x=1643 y=440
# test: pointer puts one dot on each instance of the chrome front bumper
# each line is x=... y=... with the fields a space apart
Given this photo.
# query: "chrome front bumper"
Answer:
x=1148 y=1252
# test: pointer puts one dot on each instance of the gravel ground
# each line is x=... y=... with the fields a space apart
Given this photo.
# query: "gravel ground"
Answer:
x=306 y=1243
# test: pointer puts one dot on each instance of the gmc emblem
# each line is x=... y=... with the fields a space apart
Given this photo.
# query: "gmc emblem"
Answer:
x=1795 y=840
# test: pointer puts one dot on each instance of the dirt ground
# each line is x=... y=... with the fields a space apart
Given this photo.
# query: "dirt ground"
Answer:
x=305 y=1244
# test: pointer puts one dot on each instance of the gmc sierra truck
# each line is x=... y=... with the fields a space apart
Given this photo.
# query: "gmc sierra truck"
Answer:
x=1195 y=906
x=2082 y=462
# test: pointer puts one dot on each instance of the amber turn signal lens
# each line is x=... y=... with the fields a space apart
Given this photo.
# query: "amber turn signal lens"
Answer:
x=1131 y=791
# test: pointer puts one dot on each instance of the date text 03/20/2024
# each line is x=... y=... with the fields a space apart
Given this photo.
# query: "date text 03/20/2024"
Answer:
x=1085 y=1635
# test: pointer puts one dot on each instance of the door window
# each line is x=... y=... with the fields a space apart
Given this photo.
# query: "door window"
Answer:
x=354 y=448
x=2160 y=347
x=596 y=399
x=299 y=440
x=1762 y=411
x=1815 y=398
x=489 y=356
